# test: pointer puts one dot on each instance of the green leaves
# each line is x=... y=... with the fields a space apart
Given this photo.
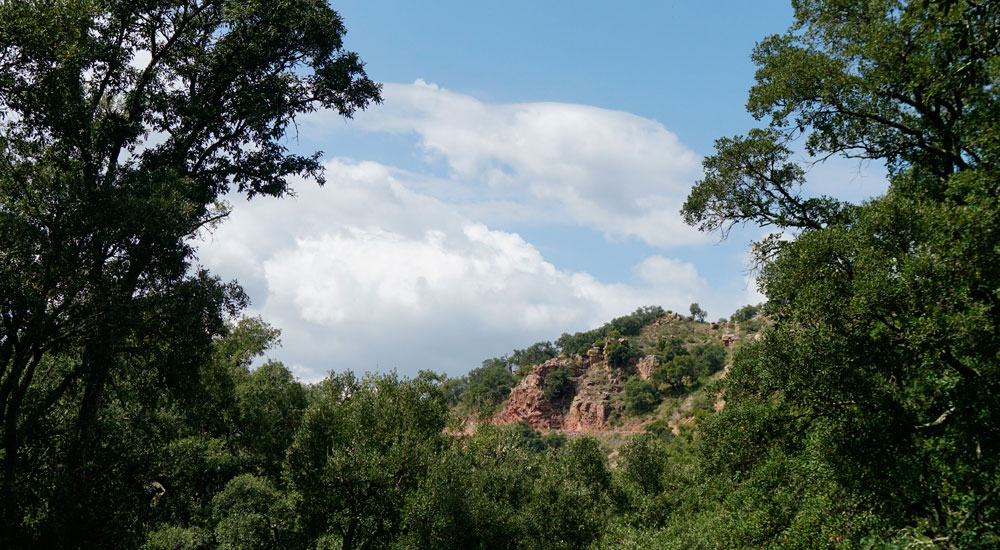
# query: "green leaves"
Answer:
x=859 y=403
x=361 y=450
x=749 y=180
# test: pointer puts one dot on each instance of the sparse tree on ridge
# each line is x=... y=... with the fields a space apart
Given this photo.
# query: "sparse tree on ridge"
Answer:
x=697 y=313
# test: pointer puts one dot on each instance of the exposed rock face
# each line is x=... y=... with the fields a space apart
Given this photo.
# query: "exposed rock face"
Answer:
x=646 y=366
x=586 y=415
x=592 y=406
x=594 y=356
x=527 y=401
x=728 y=339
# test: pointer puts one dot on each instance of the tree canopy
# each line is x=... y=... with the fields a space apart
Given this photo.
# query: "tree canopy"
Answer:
x=122 y=124
x=875 y=392
x=866 y=415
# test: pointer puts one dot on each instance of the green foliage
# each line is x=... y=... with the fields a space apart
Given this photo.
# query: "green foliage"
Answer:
x=640 y=396
x=618 y=350
x=675 y=375
x=108 y=167
x=628 y=325
x=684 y=370
x=488 y=386
x=868 y=417
x=746 y=313
x=868 y=414
x=523 y=359
x=531 y=439
x=362 y=449
x=453 y=389
x=251 y=514
x=270 y=404
x=245 y=341
x=571 y=497
x=697 y=313
x=667 y=349
x=753 y=325
x=475 y=495
x=171 y=537
x=520 y=361
x=709 y=358
x=660 y=428
x=558 y=383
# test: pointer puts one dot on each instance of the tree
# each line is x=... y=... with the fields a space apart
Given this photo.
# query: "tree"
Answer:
x=746 y=313
x=522 y=360
x=271 y=404
x=488 y=386
x=123 y=123
x=571 y=498
x=360 y=453
x=250 y=514
x=640 y=396
x=697 y=313
x=875 y=393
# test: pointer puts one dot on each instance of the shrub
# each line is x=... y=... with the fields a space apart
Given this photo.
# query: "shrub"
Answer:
x=558 y=383
x=746 y=313
x=488 y=387
x=618 y=351
x=668 y=349
x=709 y=358
x=640 y=396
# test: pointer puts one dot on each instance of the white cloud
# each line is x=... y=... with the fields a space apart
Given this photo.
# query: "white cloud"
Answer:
x=387 y=268
x=625 y=175
x=366 y=273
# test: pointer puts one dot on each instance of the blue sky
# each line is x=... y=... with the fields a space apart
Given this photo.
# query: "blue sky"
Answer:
x=521 y=180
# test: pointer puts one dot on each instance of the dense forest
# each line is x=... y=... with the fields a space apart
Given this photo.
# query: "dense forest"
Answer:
x=866 y=415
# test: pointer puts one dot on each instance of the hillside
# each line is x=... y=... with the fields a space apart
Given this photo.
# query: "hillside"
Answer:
x=658 y=376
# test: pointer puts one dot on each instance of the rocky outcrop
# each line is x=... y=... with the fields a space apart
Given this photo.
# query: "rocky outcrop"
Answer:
x=594 y=356
x=585 y=415
x=592 y=405
x=646 y=366
x=728 y=339
x=667 y=320
x=527 y=400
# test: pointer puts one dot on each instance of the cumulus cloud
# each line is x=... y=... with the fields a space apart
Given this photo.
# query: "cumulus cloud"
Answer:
x=424 y=268
x=367 y=273
x=622 y=174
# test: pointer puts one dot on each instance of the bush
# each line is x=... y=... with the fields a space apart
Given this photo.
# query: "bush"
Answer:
x=558 y=383
x=628 y=325
x=640 y=396
x=631 y=325
x=746 y=313
x=709 y=358
x=668 y=349
x=488 y=387
x=660 y=428
x=618 y=351
x=673 y=376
